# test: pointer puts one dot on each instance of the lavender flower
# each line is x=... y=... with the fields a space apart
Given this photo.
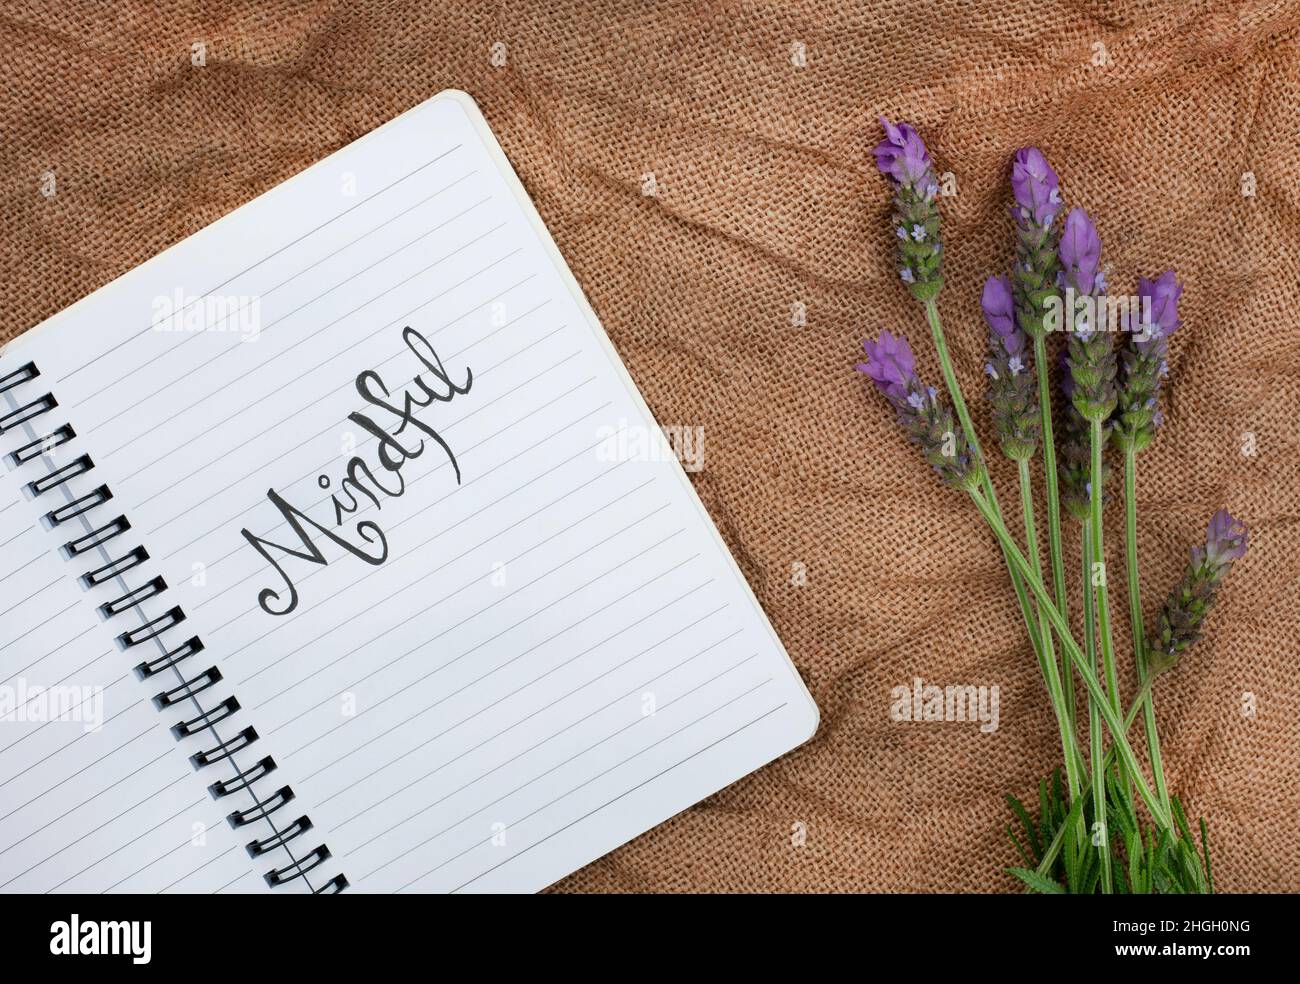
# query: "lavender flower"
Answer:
x=892 y=367
x=1163 y=294
x=903 y=158
x=1225 y=542
x=1091 y=355
x=1074 y=452
x=1080 y=252
x=1012 y=387
x=1038 y=200
x=1036 y=188
x=999 y=312
x=1179 y=624
x=1143 y=359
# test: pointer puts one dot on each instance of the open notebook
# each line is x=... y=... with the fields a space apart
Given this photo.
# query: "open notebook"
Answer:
x=337 y=548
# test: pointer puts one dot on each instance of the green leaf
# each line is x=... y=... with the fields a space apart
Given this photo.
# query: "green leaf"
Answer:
x=1031 y=832
x=1044 y=811
x=1036 y=881
x=1019 y=849
x=1092 y=874
x=1075 y=866
x=1121 y=882
x=1149 y=876
x=1180 y=817
x=1205 y=849
x=1133 y=848
x=1118 y=804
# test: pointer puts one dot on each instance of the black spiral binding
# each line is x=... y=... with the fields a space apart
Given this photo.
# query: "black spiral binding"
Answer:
x=172 y=659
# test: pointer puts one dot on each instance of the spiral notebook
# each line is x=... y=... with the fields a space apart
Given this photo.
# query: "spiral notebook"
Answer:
x=338 y=550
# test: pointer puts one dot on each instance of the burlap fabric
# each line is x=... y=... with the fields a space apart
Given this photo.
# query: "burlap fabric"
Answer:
x=756 y=122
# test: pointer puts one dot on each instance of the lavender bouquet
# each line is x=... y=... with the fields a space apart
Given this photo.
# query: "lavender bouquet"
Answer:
x=1105 y=826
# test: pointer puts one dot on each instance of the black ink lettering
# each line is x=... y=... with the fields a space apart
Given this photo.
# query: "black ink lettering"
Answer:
x=361 y=485
x=406 y=415
x=415 y=342
x=309 y=552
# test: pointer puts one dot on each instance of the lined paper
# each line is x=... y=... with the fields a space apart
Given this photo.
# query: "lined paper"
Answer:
x=93 y=796
x=556 y=652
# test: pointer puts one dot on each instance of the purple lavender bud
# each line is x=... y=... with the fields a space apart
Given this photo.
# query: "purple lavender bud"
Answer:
x=903 y=157
x=1162 y=296
x=1036 y=188
x=1038 y=202
x=999 y=308
x=1012 y=391
x=1092 y=354
x=1225 y=541
x=1009 y=342
x=928 y=422
x=891 y=366
x=1181 y=618
x=1080 y=252
x=1142 y=359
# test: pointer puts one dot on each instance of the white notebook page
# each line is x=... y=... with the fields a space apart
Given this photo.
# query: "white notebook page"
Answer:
x=556 y=652
x=93 y=795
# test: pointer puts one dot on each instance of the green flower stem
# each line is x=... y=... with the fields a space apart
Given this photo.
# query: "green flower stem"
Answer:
x=986 y=483
x=1094 y=717
x=1135 y=618
x=1047 y=658
x=1053 y=849
x=1093 y=685
x=1040 y=638
x=1053 y=502
x=1105 y=640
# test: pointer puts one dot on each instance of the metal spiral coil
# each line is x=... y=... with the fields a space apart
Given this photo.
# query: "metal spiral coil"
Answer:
x=96 y=537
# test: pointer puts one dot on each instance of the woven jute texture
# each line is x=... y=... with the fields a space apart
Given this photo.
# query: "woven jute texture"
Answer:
x=1175 y=123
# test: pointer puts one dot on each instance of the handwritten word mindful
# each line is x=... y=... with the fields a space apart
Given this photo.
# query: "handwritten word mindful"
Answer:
x=362 y=482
